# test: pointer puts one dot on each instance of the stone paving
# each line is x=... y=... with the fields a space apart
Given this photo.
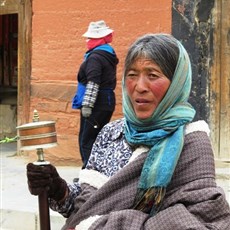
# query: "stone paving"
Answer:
x=19 y=209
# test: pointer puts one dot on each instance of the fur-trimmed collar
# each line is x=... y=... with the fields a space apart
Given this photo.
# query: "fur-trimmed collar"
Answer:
x=200 y=125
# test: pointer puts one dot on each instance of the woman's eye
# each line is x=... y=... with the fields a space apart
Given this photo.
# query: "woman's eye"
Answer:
x=153 y=76
x=131 y=75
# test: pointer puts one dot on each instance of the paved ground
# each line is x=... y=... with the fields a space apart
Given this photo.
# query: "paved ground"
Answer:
x=19 y=209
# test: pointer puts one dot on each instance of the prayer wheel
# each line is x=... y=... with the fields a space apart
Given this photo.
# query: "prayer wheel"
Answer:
x=36 y=136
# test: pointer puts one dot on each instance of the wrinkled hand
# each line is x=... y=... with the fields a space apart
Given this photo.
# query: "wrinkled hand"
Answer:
x=86 y=111
x=46 y=177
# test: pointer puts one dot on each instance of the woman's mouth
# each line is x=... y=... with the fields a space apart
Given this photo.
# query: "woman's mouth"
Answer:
x=141 y=101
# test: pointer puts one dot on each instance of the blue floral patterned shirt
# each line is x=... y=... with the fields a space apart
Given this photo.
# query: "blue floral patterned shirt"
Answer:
x=109 y=154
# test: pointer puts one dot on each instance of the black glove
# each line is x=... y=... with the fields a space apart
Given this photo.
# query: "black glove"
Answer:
x=46 y=177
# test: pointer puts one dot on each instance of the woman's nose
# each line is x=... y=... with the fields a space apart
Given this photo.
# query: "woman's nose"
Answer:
x=142 y=84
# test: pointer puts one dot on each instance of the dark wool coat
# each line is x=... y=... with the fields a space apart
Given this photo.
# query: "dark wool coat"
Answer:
x=100 y=67
x=192 y=201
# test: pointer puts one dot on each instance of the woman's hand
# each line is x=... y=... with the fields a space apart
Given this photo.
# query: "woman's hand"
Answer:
x=46 y=177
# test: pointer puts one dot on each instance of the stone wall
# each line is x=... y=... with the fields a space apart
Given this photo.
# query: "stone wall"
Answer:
x=58 y=49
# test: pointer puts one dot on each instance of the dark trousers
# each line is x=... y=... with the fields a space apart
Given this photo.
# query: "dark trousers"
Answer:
x=89 y=129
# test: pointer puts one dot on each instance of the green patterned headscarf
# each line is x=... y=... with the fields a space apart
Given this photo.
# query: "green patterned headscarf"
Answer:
x=163 y=133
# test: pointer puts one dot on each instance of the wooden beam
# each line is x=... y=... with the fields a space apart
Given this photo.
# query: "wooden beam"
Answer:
x=225 y=81
x=215 y=81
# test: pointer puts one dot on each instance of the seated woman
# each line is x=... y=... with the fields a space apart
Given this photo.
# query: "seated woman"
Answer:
x=152 y=169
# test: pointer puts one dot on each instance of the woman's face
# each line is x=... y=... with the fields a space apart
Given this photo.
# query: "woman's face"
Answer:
x=146 y=86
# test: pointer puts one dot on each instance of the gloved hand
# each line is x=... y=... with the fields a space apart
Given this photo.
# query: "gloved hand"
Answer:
x=46 y=177
x=86 y=111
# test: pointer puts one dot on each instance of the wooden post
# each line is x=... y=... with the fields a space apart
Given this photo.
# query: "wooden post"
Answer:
x=44 y=214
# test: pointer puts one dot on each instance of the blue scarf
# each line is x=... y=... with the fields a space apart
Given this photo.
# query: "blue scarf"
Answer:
x=163 y=133
x=106 y=47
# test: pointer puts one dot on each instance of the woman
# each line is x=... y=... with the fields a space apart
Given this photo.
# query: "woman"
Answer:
x=153 y=169
x=96 y=84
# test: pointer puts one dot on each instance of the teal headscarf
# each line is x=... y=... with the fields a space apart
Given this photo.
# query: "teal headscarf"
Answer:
x=163 y=133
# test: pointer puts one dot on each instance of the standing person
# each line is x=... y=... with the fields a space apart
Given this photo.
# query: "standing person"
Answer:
x=96 y=84
x=153 y=169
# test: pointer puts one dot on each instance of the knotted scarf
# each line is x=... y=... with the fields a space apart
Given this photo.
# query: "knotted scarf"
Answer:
x=163 y=133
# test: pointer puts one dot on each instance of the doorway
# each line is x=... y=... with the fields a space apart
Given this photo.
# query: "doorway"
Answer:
x=8 y=74
x=15 y=64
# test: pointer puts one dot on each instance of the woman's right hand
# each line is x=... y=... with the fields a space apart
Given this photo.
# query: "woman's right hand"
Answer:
x=46 y=177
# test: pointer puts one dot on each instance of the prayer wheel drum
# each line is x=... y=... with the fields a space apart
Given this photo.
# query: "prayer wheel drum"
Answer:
x=38 y=135
x=35 y=135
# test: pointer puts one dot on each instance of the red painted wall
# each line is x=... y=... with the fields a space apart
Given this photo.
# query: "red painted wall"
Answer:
x=57 y=52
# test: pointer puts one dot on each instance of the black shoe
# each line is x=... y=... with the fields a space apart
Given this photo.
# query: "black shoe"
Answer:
x=75 y=180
